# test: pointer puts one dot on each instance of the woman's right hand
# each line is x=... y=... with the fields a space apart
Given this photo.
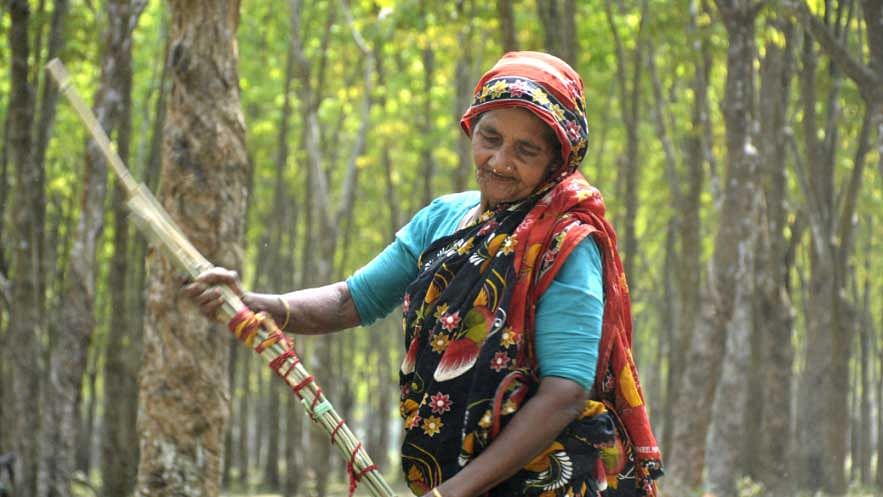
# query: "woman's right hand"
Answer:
x=204 y=291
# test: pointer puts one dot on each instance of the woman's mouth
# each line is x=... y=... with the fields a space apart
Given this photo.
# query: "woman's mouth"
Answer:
x=496 y=176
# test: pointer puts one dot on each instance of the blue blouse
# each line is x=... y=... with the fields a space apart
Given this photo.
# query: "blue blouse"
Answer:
x=569 y=313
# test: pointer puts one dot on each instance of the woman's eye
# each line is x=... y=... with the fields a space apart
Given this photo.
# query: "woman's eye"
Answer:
x=526 y=152
x=490 y=138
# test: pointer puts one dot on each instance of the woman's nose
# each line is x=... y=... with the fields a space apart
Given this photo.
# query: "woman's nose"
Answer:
x=502 y=159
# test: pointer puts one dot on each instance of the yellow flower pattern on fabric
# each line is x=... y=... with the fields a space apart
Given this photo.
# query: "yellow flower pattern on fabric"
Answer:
x=466 y=246
x=498 y=88
x=507 y=339
x=539 y=96
x=508 y=246
x=557 y=111
x=440 y=343
x=432 y=425
x=441 y=309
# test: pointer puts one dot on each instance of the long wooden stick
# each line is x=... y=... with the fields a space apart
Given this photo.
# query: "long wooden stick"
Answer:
x=155 y=222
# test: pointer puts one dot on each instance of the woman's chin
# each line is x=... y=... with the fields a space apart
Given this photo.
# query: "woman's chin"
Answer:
x=493 y=197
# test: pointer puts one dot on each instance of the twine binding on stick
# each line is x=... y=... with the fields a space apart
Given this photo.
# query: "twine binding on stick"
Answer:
x=257 y=331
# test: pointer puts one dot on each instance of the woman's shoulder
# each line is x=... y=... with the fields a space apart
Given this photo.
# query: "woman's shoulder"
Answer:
x=457 y=201
x=439 y=218
x=452 y=205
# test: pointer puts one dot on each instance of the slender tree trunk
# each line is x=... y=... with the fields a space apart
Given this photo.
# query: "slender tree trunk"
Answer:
x=184 y=392
x=119 y=443
x=272 y=419
x=86 y=432
x=4 y=201
x=689 y=236
x=824 y=382
x=506 y=17
x=22 y=355
x=463 y=81
x=629 y=91
x=774 y=321
x=245 y=401
x=547 y=11
x=70 y=349
x=866 y=331
x=235 y=414
x=426 y=128
x=879 y=471
x=733 y=262
x=259 y=418
x=293 y=446
x=49 y=95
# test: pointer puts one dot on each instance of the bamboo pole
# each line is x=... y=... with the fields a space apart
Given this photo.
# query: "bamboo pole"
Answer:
x=155 y=223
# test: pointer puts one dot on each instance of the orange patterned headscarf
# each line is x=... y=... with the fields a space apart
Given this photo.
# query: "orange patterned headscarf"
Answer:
x=546 y=86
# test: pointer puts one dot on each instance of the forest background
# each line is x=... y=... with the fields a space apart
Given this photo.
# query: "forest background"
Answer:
x=739 y=146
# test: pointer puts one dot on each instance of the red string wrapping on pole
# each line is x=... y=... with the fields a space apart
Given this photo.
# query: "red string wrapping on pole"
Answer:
x=336 y=428
x=300 y=386
x=273 y=338
x=277 y=363
x=351 y=472
x=315 y=401
x=244 y=326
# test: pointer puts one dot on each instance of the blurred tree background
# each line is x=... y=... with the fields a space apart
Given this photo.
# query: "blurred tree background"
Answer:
x=739 y=146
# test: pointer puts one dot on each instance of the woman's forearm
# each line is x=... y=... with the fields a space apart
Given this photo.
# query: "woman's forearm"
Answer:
x=312 y=311
x=557 y=402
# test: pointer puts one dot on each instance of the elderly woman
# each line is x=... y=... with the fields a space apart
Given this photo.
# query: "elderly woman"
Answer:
x=513 y=297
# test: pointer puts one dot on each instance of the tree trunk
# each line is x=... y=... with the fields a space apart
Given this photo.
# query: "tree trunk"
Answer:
x=294 y=429
x=629 y=92
x=70 y=348
x=271 y=462
x=688 y=225
x=119 y=443
x=774 y=320
x=235 y=414
x=732 y=267
x=547 y=11
x=4 y=201
x=86 y=430
x=866 y=330
x=507 y=26
x=245 y=401
x=22 y=355
x=184 y=392
x=824 y=382
x=463 y=81
x=278 y=278
x=49 y=95
x=879 y=471
x=558 y=18
x=426 y=128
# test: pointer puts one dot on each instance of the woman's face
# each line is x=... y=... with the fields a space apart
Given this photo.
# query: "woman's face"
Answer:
x=512 y=154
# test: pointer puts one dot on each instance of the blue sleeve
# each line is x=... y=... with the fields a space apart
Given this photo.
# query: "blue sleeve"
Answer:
x=569 y=316
x=378 y=287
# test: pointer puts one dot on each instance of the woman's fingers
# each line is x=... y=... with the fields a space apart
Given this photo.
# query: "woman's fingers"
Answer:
x=210 y=307
x=192 y=290
x=221 y=276
x=204 y=291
